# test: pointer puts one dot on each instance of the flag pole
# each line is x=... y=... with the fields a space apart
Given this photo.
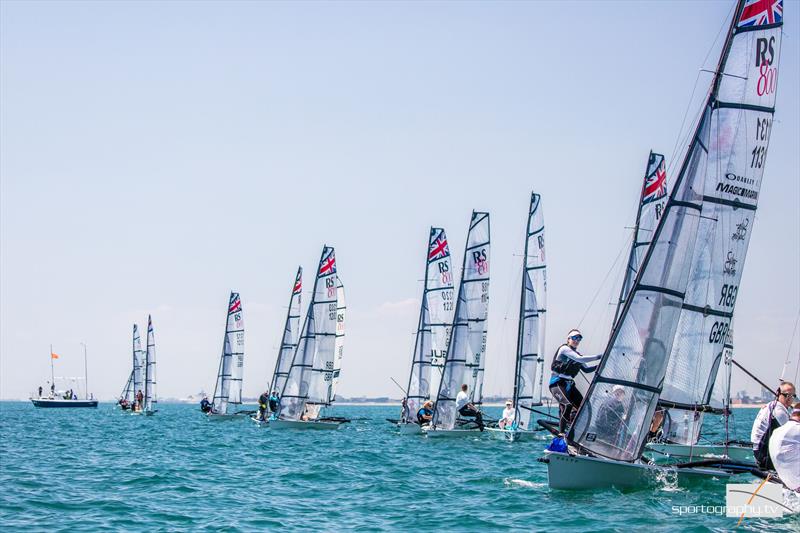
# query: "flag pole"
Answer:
x=52 y=372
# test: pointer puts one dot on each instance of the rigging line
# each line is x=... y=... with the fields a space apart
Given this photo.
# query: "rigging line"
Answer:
x=670 y=165
x=602 y=283
x=789 y=351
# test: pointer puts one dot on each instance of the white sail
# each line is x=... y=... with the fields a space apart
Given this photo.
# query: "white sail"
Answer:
x=150 y=393
x=693 y=251
x=341 y=309
x=306 y=380
x=291 y=332
x=651 y=206
x=138 y=363
x=739 y=131
x=228 y=390
x=465 y=358
x=433 y=327
x=531 y=328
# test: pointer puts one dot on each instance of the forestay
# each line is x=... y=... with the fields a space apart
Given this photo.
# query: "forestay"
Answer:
x=433 y=327
x=465 y=359
x=150 y=395
x=306 y=380
x=228 y=390
x=721 y=171
x=651 y=206
x=740 y=127
x=291 y=331
x=532 y=313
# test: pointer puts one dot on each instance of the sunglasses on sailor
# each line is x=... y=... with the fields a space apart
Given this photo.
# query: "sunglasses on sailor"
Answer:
x=576 y=338
x=788 y=395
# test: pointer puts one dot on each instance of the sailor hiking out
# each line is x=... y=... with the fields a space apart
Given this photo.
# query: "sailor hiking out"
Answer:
x=567 y=362
x=769 y=418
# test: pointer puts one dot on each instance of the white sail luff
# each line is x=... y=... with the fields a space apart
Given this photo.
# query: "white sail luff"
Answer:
x=290 y=338
x=150 y=393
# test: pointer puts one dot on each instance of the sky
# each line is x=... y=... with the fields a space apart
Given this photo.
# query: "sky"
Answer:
x=156 y=156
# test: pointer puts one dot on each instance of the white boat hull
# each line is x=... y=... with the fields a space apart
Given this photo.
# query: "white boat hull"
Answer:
x=303 y=424
x=511 y=435
x=698 y=452
x=451 y=433
x=219 y=417
x=577 y=472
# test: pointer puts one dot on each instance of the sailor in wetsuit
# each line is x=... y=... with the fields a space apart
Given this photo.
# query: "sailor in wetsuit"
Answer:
x=567 y=362
x=274 y=401
x=205 y=405
x=425 y=413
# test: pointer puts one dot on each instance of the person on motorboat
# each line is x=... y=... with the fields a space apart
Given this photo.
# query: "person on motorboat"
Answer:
x=507 y=419
x=567 y=362
x=769 y=418
x=205 y=405
x=425 y=413
x=784 y=450
x=40 y=391
x=274 y=401
x=263 y=400
x=466 y=408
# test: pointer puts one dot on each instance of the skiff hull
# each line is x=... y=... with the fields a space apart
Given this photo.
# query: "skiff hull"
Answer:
x=451 y=433
x=510 y=435
x=708 y=451
x=303 y=424
x=56 y=403
x=570 y=472
x=221 y=418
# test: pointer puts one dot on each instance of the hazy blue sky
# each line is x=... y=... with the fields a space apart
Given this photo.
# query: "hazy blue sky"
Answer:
x=155 y=156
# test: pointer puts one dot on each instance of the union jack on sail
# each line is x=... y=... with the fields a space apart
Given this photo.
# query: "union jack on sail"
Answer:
x=439 y=247
x=655 y=185
x=236 y=303
x=328 y=264
x=761 y=12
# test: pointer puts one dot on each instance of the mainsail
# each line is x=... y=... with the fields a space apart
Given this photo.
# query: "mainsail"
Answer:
x=465 y=354
x=150 y=395
x=531 y=328
x=341 y=309
x=740 y=132
x=433 y=328
x=651 y=207
x=228 y=390
x=313 y=357
x=127 y=392
x=689 y=277
x=291 y=330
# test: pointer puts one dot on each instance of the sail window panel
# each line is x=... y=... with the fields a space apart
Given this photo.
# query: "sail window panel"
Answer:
x=653 y=316
x=682 y=426
x=751 y=70
x=614 y=423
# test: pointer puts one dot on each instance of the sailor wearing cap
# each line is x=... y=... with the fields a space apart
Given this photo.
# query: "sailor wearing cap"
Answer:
x=567 y=362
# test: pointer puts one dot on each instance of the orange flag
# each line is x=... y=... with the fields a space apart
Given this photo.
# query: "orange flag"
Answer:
x=54 y=355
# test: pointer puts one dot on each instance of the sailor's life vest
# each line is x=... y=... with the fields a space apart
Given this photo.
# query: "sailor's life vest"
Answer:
x=564 y=365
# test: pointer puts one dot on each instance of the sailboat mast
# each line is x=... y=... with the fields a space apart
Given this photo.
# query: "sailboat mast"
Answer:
x=521 y=323
x=629 y=270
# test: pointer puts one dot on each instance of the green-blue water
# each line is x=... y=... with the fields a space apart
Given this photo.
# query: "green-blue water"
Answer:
x=100 y=469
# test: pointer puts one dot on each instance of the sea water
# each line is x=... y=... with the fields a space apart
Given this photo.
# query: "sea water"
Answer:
x=87 y=470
